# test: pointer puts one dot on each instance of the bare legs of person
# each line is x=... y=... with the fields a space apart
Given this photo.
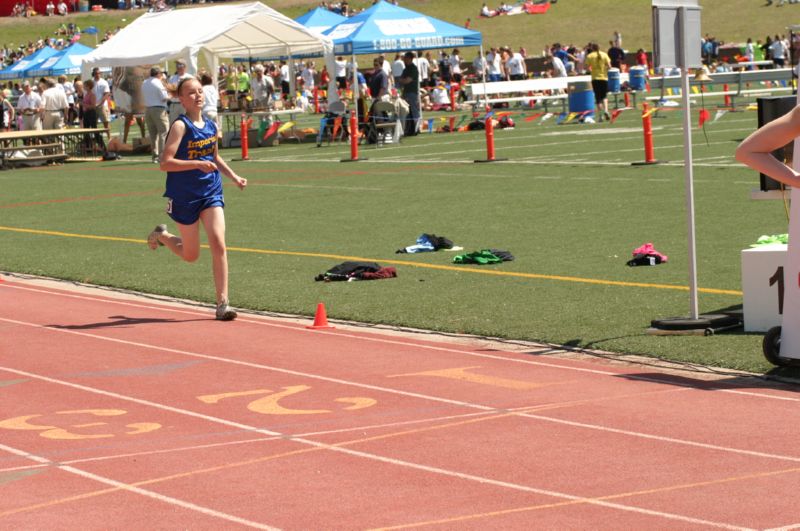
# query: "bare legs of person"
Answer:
x=187 y=248
x=602 y=110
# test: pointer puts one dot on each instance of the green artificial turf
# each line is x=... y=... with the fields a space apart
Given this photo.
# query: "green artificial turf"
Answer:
x=568 y=204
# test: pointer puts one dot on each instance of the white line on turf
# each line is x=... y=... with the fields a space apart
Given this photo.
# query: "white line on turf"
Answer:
x=506 y=143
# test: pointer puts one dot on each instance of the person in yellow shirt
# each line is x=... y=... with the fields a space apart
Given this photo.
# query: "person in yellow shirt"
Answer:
x=244 y=88
x=232 y=87
x=599 y=63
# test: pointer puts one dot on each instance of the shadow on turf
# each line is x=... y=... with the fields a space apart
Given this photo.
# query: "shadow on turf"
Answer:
x=122 y=321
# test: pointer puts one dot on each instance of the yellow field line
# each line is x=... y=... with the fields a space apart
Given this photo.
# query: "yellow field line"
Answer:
x=460 y=269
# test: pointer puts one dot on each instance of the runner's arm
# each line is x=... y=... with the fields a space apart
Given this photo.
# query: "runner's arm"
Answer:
x=756 y=150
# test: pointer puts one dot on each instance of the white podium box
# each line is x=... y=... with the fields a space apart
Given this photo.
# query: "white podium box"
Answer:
x=763 y=286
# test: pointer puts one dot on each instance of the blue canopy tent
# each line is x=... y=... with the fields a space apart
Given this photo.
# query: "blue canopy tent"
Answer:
x=21 y=68
x=385 y=27
x=320 y=19
x=66 y=62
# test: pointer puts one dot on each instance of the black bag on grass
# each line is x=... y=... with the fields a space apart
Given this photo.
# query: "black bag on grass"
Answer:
x=347 y=270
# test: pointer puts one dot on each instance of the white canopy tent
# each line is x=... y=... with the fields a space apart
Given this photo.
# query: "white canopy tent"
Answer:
x=216 y=31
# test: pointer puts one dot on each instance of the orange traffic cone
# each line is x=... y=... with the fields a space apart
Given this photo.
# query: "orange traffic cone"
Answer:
x=320 y=319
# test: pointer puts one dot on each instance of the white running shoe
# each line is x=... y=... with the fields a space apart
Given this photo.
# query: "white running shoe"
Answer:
x=225 y=312
x=152 y=239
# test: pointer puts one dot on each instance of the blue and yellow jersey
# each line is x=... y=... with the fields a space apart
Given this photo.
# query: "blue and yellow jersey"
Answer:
x=196 y=144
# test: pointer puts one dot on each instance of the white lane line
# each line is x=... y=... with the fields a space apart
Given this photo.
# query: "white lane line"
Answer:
x=267 y=439
x=137 y=490
x=339 y=449
x=383 y=341
x=789 y=527
x=421 y=396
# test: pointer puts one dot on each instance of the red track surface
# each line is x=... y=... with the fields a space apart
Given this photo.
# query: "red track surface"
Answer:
x=118 y=412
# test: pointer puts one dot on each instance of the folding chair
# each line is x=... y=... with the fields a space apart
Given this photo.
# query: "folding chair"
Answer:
x=333 y=126
x=382 y=120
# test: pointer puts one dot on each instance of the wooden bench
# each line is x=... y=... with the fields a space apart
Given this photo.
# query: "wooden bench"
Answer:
x=56 y=145
x=53 y=152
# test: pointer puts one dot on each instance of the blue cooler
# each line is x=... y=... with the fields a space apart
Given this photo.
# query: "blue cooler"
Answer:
x=613 y=80
x=637 y=78
x=581 y=97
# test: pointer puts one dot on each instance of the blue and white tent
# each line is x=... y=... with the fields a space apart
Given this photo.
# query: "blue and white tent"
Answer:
x=385 y=27
x=21 y=68
x=66 y=62
x=320 y=19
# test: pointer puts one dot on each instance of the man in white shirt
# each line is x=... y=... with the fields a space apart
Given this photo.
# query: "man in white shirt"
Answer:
x=285 y=86
x=515 y=65
x=69 y=90
x=262 y=87
x=479 y=66
x=559 y=70
x=307 y=76
x=29 y=106
x=55 y=106
x=397 y=69
x=341 y=73
x=778 y=52
x=175 y=108
x=455 y=66
x=155 y=98
x=6 y=113
x=103 y=93
x=494 y=65
x=424 y=67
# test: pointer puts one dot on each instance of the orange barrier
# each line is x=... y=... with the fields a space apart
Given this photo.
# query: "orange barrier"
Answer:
x=353 y=138
x=647 y=126
x=245 y=125
x=490 y=142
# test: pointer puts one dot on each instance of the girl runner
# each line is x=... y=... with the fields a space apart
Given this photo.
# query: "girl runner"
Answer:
x=194 y=190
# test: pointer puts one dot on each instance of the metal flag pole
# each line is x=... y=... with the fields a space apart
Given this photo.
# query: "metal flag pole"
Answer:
x=689 y=179
x=685 y=53
x=485 y=66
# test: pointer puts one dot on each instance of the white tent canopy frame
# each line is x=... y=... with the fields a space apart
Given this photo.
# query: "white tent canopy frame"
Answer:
x=216 y=31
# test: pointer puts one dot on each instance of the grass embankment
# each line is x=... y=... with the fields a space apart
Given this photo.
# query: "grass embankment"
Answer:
x=568 y=21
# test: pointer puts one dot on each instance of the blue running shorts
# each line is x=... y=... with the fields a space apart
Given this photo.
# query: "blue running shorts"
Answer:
x=189 y=213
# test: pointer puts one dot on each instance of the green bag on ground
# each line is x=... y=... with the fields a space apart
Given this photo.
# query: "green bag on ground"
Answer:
x=484 y=256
